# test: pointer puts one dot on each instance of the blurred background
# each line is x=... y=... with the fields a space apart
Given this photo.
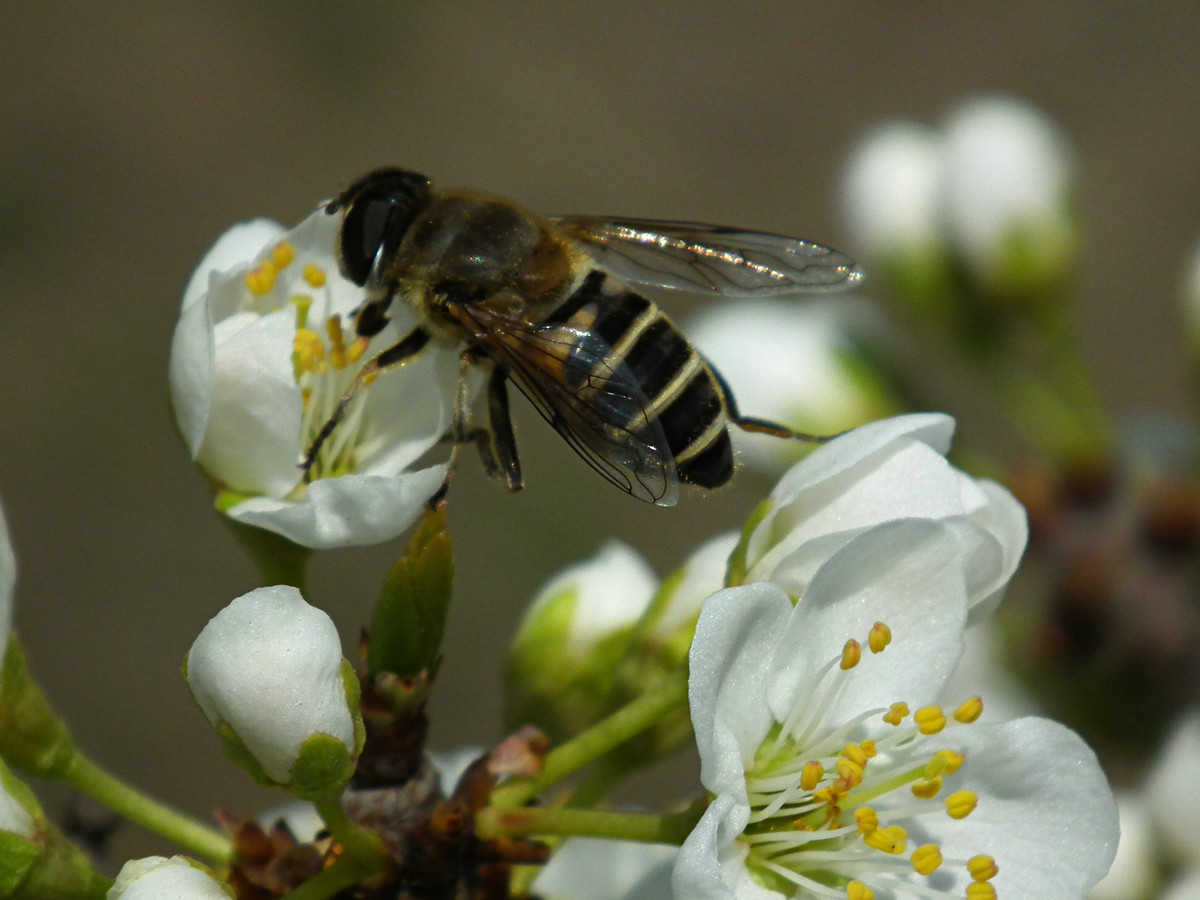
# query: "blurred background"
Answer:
x=132 y=135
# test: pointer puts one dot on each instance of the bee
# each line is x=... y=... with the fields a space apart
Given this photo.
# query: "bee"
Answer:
x=551 y=305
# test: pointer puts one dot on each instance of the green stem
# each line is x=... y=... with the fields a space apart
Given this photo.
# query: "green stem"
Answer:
x=590 y=745
x=345 y=873
x=646 y=827
x=197 y=839
x=279 y=561
x=361 y=846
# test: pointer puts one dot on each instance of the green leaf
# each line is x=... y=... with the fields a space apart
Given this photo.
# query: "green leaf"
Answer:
x=410 y=618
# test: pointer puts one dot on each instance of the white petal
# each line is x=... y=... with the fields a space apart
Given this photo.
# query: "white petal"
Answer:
x=236 y=247
x=270 y=666
x=1045 y=812
x=191 y=373
x=158 y=878
x=8 y=583
x=1173 y=787
x=703 y=575
x=729 y=664
x=906 y=574
x=1134 y=870
x=595 y=869
x=251 y=442
x=15 y=818
x=1003 y=517
x=704 y=861
x=350 y=511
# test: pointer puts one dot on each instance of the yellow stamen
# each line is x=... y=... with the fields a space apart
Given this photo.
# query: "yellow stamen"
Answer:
x=927 y=788
x=856 y=890
x=283 y=254
x=303 y=303
x=356 y=349
x=961 y=804
x=856 y=754
x=314 y=275
x=337 y=350
x=868 y=747
x=927 y=859
x=982 y=868
x=307 y=351
x=946 y=762
x=930 y=719
x=981 y=890
x=851 y=654
x=261 y=279
x=811 y=774
x=879 y=638
x=969 y=711
x=897 y=714
x=892 y=839
x=866 y=819
x=849 y=772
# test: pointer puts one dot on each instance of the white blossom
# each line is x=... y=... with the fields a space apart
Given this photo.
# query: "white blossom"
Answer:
x=8 y=582
x=595 y=869
x=1172 y=789
x=159 y=878
x=270 y=668
x=1134 y=871
x=833 y=771
x=263 y=351
x=884 y=471
x=14 y=817
x=682 y=594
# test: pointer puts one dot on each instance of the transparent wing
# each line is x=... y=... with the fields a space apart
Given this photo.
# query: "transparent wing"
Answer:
x=587 y=396
x=694 y=257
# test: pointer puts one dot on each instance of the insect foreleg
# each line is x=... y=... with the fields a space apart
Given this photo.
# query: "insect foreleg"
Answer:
x=394 y=355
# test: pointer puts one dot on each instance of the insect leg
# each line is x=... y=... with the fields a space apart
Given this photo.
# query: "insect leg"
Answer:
x=501 y=460
x=459 y=432
x=393 y=356
x=763 y=426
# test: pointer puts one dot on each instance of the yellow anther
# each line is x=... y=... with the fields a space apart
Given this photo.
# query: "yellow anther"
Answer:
x=356 y=349
x=896 y=714
x=811 y=775
x=879 y=638
x=892 y=839
x=930 y=719
x=927 y=788
x=851 y=654
x=927 y=859
x=866 y=819
x=369 y=379
x=856 y=890
x=283 y=254
x=944 y=762
x=981 y=890
x=969 y=711
x=961 y=804
x=856 y=754
x=307 y=350
x=337 y=345
x=303 y=303
x=314 y=275
x=868 y=748
x=982 y=868
x=261 y=279
x=849 y=772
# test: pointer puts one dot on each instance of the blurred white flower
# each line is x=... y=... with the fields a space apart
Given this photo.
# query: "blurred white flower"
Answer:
x=14 y=817
x=263 y=351
x=594 y=869
x=791 y=363
x=1009 y=177
x=268 y=673
x=1172 y=789
x=8 y=583
x=884 y=471
x=1134 y=871
x=826 y=757
x=1185 y=887
x=677 y=603
x=159 y=878
x=1191 y=302
x=890 y=194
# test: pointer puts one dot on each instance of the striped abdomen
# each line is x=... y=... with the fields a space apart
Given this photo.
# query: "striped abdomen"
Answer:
x=684 y=394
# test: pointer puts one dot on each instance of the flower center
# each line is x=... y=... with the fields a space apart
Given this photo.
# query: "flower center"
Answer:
x=323 y=362
x=826 y=810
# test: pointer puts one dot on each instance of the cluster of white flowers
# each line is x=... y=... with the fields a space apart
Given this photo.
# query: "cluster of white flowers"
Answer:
x=993 y=186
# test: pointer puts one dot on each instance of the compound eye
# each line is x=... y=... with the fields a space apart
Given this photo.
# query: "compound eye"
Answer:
x=368 y=228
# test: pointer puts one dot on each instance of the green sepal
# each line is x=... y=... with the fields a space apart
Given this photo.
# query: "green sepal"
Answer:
x=410 y=617
x=322 y=768
x=33 y=739
x=279 y=560
x=241 y=756
x=736 y=574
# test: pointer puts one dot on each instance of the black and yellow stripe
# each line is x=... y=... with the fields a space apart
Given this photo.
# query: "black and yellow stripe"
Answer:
x=684 y=395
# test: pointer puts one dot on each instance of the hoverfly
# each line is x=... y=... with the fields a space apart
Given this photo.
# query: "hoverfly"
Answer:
x=550 y=304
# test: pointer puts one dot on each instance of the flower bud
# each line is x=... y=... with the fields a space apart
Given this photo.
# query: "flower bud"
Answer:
x=796 y=364
x=1009 y=179
x=268 y=673
x=671 y=621
x=156 y=878
x=575 y=633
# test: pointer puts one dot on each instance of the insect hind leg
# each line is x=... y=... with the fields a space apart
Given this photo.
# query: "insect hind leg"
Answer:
x=390 y=357
x=764 y=426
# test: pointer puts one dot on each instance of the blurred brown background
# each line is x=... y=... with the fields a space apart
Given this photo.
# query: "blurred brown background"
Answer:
x=133 y=134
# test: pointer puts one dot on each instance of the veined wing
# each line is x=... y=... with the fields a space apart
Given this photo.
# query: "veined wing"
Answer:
x=586 y=394
x=691 y=256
